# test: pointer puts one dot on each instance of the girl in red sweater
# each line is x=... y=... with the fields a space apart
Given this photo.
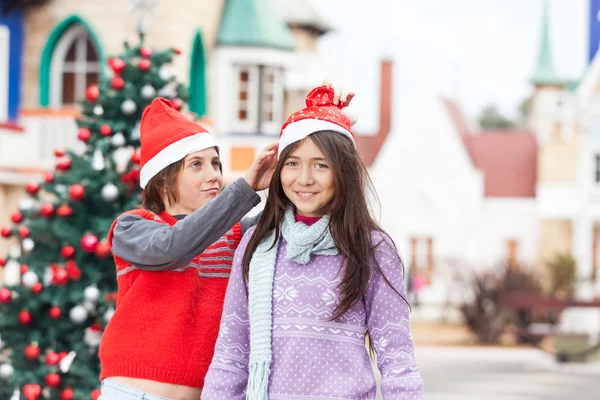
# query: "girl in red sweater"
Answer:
x=173 y=259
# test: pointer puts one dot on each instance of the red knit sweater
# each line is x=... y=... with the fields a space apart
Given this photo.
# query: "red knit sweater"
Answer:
x=166 y=323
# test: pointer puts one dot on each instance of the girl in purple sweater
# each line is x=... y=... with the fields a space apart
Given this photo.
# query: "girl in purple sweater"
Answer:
x=313 y=278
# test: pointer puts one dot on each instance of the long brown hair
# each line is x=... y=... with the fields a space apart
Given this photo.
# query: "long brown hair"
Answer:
x=351 y=223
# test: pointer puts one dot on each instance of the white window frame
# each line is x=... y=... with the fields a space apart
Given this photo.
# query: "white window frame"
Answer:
x=277 y=104
x=250 y=104
x=81 y=66
x=4 y=71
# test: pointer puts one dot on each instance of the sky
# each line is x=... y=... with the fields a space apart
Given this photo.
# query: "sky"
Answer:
x=477 y=52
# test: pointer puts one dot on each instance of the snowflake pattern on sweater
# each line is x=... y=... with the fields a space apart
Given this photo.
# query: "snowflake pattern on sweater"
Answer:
x=315 y=358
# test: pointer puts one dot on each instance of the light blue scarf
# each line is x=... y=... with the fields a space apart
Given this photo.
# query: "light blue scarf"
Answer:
x=301 y=242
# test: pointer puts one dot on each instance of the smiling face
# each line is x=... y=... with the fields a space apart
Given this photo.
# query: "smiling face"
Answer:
x=199 y=181
x=308 y=180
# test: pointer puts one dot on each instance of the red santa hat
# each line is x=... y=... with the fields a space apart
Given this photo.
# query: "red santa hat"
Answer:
x=167 y=136
x=320 y=114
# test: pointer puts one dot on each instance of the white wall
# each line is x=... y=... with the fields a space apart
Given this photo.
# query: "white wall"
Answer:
x=4 y=56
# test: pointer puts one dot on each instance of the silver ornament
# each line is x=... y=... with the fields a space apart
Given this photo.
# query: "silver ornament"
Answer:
x=91 y=293
x=48 y=276
x=6 y=371
x=65 y=363
x=26 y=204
x=28 y=244
x=165 y=73
x=148 y=92
x=108 y=314
x=135 y=133
x=30 y=278
x=117 y=140
x=128 y=107
x=78 y=314
x=110 y=192
x=12 y=273
x=98 y=110
x=98 y=163
x=90 y=306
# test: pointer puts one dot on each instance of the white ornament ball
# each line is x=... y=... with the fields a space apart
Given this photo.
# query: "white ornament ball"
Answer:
x=12 y=273
x=117 y=140
x=92 y=337
x=6 y=371
x=98 y=110
x=110 y=192
x=91 y=293
x=90 y=306
x=108 y=314
x=128 y=107
x=30 y=278
x=26 y=204
x=78 y=314
x=148 y=92
x=165 y=73
x=48 y=276
x=28 y=244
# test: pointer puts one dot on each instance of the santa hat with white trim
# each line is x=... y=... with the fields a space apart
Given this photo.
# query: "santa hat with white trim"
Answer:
x=167 y=136
x=320 y=114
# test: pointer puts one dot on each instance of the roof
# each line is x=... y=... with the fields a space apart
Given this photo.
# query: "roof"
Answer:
x=253 y=23
x=301 y=13
x=506 y=157
x=544 y=73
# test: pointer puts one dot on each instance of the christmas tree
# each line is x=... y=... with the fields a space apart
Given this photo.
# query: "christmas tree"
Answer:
x=59 y=291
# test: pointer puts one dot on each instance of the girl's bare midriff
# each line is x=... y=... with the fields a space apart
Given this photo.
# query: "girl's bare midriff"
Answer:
x=174 y=392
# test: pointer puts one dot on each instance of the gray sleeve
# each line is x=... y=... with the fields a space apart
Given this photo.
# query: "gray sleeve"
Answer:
x=159 y=247
x=249 y=222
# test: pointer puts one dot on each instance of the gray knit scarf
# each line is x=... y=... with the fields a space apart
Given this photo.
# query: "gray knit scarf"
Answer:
x=302 y=241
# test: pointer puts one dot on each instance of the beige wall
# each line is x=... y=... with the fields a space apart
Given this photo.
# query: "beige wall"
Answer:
x=556 y=236
x=305 y=39
x=557 y=158
x=174 y=26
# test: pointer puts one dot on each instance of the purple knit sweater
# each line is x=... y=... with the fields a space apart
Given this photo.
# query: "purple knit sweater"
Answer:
x=315 y=358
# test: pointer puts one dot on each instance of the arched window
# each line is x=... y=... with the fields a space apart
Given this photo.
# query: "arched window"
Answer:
x=75 y=65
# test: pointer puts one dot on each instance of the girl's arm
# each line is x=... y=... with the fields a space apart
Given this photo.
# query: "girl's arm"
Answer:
x=158 y=247
x=389 y=327
x=227 y=376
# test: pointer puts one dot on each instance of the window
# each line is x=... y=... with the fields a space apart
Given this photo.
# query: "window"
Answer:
x=75 y=66
x=422 y=255
x=513 y=248
x=4 y=55
x=597 y=168
x=259 y=101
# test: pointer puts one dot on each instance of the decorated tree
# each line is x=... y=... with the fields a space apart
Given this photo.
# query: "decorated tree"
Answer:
x=59 y=286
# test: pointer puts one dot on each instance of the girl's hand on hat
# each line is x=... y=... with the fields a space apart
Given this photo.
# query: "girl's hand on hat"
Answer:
x=339 y=96
x=261 y=171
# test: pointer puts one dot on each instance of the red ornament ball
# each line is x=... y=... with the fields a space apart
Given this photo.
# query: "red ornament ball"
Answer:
x=32 y=188
x=64 y=211
x=136 y=157
x=95 y=394
x=117 y=65
x=177 y=50
x=59 y=152
x=16 y=217
x=55 y=312
x=72 y=270
x=146 y=52
x=47 y=210
x=177 y=104
x=2 y=261
x=63 y=163
x=53 y=379
x=67 y=251
x=105 y=130
x=118 y=83
x=77 y=192
x=92 y=93
x=89 y=243
x=48 y=177
x=62 y=355
x=24 y=231
x=52 y=358
x=37 y=288
x=5 y=296
x=144 y=65
x=67 y=394
x=6 y=231
x=24 y=318
x=24 y=268
x=84 y=134
x=32 y=392
x=102 y=250
x=60 y=276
